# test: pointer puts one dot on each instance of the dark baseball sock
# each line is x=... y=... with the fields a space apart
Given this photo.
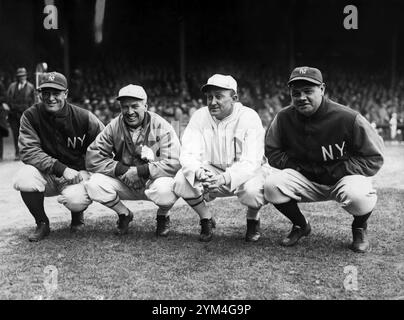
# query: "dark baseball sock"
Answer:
x=77 y=217
x=360 y=221
x=34 y=203
x=292 y=212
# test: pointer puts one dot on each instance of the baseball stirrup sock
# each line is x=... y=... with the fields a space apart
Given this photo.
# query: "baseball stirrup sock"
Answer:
x=360 y=221
x=292 y=212
x=163 y=210
x=253 y=214
x=120 y=208
x=34 y=203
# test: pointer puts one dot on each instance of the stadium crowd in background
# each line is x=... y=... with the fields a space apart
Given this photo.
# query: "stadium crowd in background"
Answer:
x=94 y=86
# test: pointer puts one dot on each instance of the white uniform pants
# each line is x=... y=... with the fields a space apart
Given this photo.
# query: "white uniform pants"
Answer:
x=250 y=193
x=73 y=196
x=109 y=191
x=354 y=192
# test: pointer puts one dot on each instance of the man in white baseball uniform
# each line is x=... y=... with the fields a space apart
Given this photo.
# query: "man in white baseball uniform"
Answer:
x=134 y=158
x=222 y=155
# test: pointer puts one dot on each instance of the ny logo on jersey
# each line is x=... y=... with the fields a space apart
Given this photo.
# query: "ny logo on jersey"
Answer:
x=72 y=143
x=329 y=153
x=303 y=70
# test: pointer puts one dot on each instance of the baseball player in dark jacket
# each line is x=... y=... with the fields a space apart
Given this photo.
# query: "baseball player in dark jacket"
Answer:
x=54 y=136
x=325 y=151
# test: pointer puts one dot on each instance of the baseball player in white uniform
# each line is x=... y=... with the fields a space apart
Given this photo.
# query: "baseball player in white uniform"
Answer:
x=222 y=155
x=135 y=158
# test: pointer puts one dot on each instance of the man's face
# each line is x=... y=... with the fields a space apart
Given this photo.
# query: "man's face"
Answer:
x=220 y=102
x=306 y=96
x=53 y=99
x=133 y=110
x=21 y=79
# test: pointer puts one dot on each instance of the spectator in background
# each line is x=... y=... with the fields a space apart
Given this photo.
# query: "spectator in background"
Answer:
x=3 y=117
x=20 y=96
x=179 y=122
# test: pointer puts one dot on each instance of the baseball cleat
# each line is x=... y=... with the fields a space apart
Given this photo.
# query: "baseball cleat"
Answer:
x=163 y=226
x=295 y=235
x=207 y=226
x=360 y=242
x=123 y=224
x=253 y=233
x=42 y=230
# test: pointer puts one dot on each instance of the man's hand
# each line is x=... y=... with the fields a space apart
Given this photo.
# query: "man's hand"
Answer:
x=72 y=176
x=213 y=183
x=202 y=174
x=130 y=177
x=147 y=154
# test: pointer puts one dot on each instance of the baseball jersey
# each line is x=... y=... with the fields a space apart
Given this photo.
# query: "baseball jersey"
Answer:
x=234 y=144
x=334 y=142
x=53 y=141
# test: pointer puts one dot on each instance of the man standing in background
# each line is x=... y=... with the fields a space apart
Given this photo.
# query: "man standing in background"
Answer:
x=20 y=96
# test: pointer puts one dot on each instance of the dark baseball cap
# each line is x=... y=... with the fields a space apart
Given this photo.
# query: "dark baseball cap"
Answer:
x=310 y=74
x=54 y=80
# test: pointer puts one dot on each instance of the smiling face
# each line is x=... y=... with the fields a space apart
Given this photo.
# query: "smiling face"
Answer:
x=53 y=99
x=220 y=102
x=133 y=110
x=306 y=96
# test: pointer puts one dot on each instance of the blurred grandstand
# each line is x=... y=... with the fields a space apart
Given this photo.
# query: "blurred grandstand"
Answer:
x=173 y=48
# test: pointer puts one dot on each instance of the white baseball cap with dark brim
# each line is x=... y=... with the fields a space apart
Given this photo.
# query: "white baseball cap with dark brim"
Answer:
x=132 y=91
x=220 y=81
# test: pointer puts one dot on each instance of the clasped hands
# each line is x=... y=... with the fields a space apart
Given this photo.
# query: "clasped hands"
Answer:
x=211 y=182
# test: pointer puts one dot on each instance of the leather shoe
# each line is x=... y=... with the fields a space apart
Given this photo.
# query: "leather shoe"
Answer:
x=207 y=226
x=295 y=234
x=42 y=230
x=163 y=226
x=123 y=224
x=253 y=230
x=360 y=242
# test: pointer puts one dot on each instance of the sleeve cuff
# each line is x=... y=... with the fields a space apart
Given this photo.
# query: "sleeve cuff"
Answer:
x=227 y=178
x=120 y=169
x=143 y=171
x=58 y=168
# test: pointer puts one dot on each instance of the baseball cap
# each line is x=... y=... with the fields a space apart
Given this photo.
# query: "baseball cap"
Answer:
x=21 y=72
x=133 y=91
x=220 y=81
x=54 y=80
x=306 y=73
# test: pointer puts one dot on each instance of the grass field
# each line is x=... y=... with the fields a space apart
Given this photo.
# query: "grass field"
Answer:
x=98 y=265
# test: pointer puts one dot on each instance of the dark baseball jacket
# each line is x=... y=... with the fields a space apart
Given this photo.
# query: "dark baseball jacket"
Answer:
x=334 y=142
x=52 y=142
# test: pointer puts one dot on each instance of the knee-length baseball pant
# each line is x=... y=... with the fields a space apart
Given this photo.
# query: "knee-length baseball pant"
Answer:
x=355 y=193
x=73 y=196
x=250 y=193
x=109 y=191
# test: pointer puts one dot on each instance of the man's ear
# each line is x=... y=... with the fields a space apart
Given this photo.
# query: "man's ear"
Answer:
x=235 y=97
x=66 y=93
x=322 y=88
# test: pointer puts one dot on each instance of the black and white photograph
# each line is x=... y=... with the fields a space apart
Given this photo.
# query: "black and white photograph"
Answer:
x=201 y=156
